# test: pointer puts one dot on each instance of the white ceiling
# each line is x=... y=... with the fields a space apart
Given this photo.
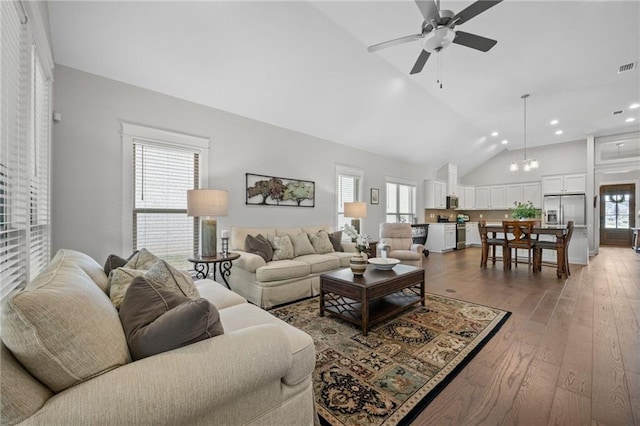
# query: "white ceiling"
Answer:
x=304 y=66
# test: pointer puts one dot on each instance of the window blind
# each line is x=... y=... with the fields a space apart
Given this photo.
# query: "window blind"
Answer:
x=348 y=191
x=14 y=173
x=161 y=177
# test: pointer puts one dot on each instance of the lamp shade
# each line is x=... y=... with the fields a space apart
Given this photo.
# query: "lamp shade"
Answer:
x=356 y=210
x=207 y=202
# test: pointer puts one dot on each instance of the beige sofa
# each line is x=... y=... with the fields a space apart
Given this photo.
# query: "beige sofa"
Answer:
x=268 y=284
x=65 y=361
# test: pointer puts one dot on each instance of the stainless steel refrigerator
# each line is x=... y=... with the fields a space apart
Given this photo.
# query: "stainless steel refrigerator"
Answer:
x=560 y=209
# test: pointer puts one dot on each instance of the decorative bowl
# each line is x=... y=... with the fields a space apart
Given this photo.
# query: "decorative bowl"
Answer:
x=383 y=263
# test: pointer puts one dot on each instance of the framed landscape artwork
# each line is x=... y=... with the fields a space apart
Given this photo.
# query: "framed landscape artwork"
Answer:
x=276 y=191
x=375 y=196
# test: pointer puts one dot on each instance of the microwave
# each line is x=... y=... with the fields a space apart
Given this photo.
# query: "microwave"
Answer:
x=452 y=202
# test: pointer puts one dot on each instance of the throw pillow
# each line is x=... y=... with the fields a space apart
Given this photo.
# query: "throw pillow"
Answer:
x=114 y=261
x=301 y=244
x=163 y=274
x=259 y=245
x=282 y=247
x=321 y=242
x=336 y=240
x=119 y=281
x=143 y=259
x=157 y=320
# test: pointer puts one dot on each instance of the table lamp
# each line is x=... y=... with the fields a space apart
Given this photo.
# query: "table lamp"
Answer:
x=207 y=204
x=355 y=211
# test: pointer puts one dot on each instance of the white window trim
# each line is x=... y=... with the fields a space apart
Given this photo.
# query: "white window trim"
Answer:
x=343 y=169
x=402 y=181
x=130 y=133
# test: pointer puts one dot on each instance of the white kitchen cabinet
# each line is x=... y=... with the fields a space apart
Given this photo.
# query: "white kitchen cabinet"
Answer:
x=532 y=192
x=441 y=237
x=469 y=197
x=482 y=197
x=435 y=194
x=565 y=184
x=515 y=194
x=498 y=197
x=473 y=234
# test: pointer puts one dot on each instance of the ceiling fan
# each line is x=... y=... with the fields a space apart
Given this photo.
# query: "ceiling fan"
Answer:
x=438 y=30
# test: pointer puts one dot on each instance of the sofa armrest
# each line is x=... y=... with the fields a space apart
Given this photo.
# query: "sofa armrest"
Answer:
x=248 y=261
x=178 y=386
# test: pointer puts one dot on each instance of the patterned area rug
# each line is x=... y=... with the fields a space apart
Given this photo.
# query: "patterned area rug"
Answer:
x=389 y=376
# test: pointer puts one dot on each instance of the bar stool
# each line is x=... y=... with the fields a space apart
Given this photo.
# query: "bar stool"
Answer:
x=522 y=232
x=551 y=245
x=486 y=242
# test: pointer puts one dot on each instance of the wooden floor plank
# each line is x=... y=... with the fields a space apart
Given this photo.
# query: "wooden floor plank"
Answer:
x=575 y=372
x=569 y=409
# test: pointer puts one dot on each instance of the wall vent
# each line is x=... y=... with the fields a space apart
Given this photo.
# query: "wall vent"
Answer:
x=627 y=67
x=617 y=112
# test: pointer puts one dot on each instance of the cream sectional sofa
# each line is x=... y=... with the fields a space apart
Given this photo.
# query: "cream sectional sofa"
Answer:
x=65 y=361
x=268 y=284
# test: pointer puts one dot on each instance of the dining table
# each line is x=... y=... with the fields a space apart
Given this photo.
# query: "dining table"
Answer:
x=560 y=232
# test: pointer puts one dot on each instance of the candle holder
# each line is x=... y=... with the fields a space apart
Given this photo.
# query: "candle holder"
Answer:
x=225 y=246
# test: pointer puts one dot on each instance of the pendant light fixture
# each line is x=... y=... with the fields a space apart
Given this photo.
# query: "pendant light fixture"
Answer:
x=528 y=164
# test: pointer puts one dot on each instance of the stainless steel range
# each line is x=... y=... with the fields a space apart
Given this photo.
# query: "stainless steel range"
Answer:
x=461 y=236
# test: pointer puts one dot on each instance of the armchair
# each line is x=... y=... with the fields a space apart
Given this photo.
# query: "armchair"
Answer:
x=396 y=241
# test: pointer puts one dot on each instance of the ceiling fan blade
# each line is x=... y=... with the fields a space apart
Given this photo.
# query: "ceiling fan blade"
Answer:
x=429 y=9
x=473 y=10
x=474 y=41
x=394 y=42
x=422 y=59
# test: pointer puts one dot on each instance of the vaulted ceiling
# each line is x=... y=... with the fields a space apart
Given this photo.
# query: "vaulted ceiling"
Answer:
x=305 y=66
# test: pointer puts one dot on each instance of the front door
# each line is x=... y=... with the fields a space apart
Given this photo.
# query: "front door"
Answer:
x=617 y=207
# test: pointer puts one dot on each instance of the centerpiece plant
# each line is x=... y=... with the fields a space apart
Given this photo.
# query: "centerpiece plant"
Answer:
x=525 y=210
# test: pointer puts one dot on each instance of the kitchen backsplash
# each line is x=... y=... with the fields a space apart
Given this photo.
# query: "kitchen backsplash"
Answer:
x=431 y=215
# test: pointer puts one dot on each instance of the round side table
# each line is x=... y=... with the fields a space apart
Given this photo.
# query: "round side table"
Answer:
x=221 y=263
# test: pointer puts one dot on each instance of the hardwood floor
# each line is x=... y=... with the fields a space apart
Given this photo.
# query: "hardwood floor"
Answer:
x=569 y=354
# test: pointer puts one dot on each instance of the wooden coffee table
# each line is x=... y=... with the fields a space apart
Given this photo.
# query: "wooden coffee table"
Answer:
x=373 y=297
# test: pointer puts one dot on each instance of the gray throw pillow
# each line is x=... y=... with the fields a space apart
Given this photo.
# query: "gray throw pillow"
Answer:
x=114 y=261
x=336 y=240
x=157 y=320
x=260 y=246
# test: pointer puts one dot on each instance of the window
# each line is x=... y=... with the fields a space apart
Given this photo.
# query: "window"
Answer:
x=401 y=202
x=349 y=189
x=24 y=153
x=616 y=207
x=161 y=171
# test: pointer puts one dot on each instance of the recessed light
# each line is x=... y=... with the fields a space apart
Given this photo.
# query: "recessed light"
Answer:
x=553 y=122
x=494 y=134
x=634 y=106
x=559 y=132
x=504 y=142
x=630 y=119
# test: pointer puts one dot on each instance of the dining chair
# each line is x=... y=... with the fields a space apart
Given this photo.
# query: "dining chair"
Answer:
x=523 y=238
x=551 y=245
x=487 y=242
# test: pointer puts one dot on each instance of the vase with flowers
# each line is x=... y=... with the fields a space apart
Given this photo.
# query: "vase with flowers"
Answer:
x=358 y=262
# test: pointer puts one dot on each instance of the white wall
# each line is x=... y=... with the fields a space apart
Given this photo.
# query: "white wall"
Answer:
x=87 y=161
x=569 y=157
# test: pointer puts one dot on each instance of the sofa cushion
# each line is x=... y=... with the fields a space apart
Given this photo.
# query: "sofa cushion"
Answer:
x=218 y=294
x=282 y=247
x=63 y=329
x=119 y=280
x=156 y=319
x=302 y=348
x=239 y=234
x=321 y=242
x=143 y=259
x=277 y=270
x=336 y=240
x=301 y=244
x=320 y=262
x=169 y=277
x=22 y=394
x=86 y=263
x=259 y=245
x=343 y=257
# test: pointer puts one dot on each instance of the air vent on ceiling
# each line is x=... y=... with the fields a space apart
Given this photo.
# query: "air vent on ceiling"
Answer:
x=627 y=67
x=617 y=112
